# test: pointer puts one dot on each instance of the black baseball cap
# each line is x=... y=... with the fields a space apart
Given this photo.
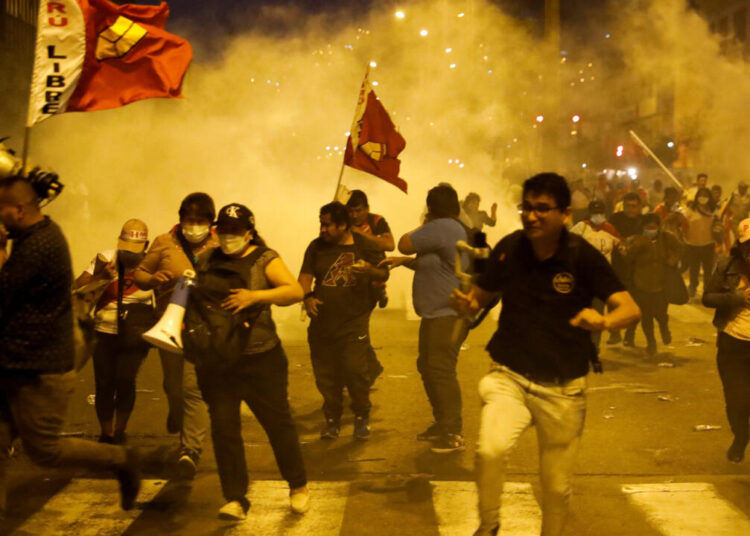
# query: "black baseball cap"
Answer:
x=237 y=216
x=597 y=207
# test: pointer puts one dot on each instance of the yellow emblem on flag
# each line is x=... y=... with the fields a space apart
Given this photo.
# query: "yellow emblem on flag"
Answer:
x=374 y=150
x=118 y=39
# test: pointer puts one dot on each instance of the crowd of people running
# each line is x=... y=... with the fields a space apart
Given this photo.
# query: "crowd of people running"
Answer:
x=598 y=259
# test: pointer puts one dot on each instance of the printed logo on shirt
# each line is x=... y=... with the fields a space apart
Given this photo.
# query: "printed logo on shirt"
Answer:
x=564 y=282
x=340 y=272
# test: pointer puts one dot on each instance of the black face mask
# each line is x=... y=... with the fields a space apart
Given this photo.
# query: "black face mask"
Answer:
x=130 y=259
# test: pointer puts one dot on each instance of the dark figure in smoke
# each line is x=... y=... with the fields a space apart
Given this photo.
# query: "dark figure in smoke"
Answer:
x=547 y=278
x=650 y=255
x=342 y=265
x=36 y=346
x=728 y=291
x=186 y=247
x=373 y=228
x=479 y=218
x=434 y=243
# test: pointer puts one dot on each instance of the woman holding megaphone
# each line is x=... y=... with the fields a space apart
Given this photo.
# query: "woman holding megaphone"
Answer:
x=231 y=337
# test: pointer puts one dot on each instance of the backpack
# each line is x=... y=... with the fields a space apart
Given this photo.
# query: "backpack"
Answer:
x=212 y=335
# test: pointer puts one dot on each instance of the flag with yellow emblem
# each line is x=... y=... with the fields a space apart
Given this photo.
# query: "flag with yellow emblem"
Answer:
x=94 y=55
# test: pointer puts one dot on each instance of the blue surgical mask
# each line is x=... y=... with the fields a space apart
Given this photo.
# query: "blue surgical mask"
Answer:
x=598 y=219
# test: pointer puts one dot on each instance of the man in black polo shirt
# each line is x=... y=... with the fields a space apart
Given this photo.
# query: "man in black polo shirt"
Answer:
x=542 y=347
x=36 y=346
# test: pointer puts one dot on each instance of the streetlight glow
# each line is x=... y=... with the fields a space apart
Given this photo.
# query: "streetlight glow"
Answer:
x=423 y=33
x=539 y=118
x=576 y=118
x=373 y=64
x=400 y=14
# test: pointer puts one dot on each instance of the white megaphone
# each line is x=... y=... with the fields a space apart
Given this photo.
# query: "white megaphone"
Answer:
x=167 y=333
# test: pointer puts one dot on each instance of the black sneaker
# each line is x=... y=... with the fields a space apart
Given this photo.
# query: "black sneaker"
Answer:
x=431 y=434
x=120 y=437
x=330 y=430
x=109 y=440
x=736 y=452
x=187 y=464
x=129 y=477
x=362 y=428
x=449 y=443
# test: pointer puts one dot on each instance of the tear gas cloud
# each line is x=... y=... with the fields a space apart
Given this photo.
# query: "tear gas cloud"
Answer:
x=266 y=123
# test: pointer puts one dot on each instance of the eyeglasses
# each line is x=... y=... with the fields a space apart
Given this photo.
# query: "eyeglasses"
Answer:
x=539 y=210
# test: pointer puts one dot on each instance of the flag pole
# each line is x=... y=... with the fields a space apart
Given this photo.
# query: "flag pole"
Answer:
x=356 y=109
x=25 y=151
x=341 y=174
x=652 y=155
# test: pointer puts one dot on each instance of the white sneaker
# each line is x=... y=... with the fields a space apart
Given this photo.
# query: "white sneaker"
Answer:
x=233 y=511
x=300 y=500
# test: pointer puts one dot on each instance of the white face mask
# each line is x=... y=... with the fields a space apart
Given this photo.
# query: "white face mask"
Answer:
x=598 y=219
x=195 y=234
x=231 y=244
x=702 y=200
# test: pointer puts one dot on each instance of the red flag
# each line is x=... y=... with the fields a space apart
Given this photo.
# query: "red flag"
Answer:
x=95 y=55
x=375 y=138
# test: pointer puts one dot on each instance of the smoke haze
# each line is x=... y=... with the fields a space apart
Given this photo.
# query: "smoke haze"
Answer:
x=265 y=124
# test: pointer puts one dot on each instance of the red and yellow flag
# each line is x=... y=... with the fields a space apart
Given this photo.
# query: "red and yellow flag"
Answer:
x=95 y=55
x=374 y=143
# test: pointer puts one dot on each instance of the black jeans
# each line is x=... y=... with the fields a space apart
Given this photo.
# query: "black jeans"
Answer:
x=733 y=360
x=261 y=381
x=340 y=362
x=438 y=357
x=653 y=305
x=697 y=256
x=115 y=369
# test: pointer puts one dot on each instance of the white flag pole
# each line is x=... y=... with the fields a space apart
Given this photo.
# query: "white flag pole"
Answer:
x=652 y=155
x=353 y=133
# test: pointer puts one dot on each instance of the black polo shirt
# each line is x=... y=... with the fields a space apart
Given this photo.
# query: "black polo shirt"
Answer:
x=36 y=315
x=534 y=337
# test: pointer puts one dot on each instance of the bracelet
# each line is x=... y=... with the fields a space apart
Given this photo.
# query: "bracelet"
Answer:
x=309 y=295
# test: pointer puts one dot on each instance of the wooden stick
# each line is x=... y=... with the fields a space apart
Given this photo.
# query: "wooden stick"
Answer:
x=652 y=155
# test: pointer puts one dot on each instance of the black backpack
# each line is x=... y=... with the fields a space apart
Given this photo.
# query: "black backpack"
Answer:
x=213 y=336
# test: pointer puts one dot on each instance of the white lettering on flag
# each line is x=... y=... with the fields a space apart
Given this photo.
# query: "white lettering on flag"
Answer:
x=58 y=59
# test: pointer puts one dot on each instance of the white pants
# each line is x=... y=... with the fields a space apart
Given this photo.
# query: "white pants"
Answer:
x=512 y=403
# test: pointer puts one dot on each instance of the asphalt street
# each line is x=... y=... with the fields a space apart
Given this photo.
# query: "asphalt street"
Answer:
x=642 y=468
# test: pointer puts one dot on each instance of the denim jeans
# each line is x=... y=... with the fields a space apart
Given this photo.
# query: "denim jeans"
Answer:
x=512 y=403
x=184 y=399
x=33 y=407
x=438 y=357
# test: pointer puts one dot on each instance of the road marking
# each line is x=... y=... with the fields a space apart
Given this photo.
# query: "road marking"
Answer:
x=456 y=509
x=691 y=508
x=270 y=514
x=87 y=507
x=691 y=314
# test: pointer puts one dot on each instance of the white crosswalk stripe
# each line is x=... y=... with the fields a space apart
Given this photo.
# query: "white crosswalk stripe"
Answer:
x=270 y=514
x=87 y=507
x=456 y=509
x=677 y=509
